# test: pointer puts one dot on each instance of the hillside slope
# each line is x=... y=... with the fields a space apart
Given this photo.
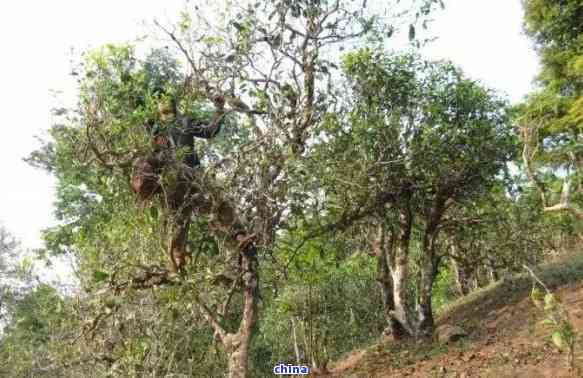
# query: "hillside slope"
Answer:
x=505 y=335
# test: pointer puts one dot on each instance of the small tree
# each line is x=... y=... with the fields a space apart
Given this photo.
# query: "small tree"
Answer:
x=493 y=235
x=426 y=138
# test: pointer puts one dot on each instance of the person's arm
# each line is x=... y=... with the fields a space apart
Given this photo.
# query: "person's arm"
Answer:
x=206 y=130
x=201 y=129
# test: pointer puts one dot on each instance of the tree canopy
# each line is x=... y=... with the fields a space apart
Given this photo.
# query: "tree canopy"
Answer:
x=550 y=119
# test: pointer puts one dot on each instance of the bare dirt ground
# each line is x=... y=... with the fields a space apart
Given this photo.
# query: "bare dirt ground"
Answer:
x=506 y=339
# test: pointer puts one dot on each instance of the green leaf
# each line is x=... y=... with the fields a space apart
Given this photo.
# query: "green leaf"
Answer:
x=550 y=302
x=154 y=212
x=547 y=322
x=411 y=32
x=558 y=340
x=537 y=297
x=186 y=21
x=99 y=276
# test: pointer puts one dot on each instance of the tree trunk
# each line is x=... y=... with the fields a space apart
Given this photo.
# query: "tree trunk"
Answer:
x=492 y=272
x=238 y=363
x=428 y=272
x=237 y=345
x=462 y=271
x=382 y=250
x=295 y=336
x=428 y=269
x=462 y=275
x=399 y=269
x=385 y=284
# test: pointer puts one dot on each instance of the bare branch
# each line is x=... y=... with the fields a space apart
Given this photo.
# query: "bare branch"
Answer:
x=212 y=319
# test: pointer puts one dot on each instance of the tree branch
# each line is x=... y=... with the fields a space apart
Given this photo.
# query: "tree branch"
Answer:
x=528 y=152
x=212 y=319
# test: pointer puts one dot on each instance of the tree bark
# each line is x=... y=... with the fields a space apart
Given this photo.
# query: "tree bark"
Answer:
x=428 y=272
x=382 y=249
x=428 y=268
x=399 y=269
x=461 y=270
x=462 y=277
x=383 y=276
x=493 y=274
x=295 y=336
x=237 y=345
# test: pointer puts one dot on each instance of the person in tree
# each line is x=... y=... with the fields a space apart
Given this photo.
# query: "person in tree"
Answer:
x=175 y=130
x=174 y=134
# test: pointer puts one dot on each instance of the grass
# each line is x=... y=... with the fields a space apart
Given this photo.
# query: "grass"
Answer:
x=510 y=290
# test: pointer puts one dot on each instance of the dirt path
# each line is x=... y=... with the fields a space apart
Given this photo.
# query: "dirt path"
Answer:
x=505 y=340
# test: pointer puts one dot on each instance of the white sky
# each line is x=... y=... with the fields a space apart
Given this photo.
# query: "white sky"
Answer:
x=482 y=36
